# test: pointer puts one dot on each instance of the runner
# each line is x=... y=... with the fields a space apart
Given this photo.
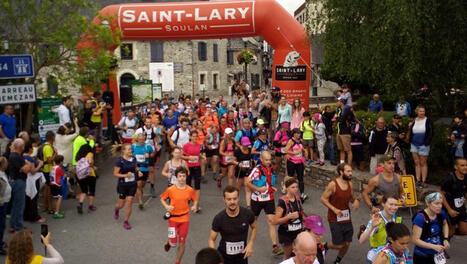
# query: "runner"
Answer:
x=296 y=161
x=232 y=223
x=211 y=144
x=314 y=225
x=280 y=140
x=192 y=154
x=226 y=149
x=375 y=230
x=336 y=197
x=396 y=251
x=128 y=124
x=181 y=135
x=261 y=182
x=454 y=189
x=87 y=184
x=171 y=165
x=289 y=216
x=180 y=194
x=142 y=152
x=125 y=170
x=243 y=161
x=261 y=144
x=304 y=248
x=246 y=131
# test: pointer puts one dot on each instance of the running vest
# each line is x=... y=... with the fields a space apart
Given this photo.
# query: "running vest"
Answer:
x=393 y=259
x=379 y=238
x=293 y=225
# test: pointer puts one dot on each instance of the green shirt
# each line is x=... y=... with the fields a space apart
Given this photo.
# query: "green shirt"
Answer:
x=307 y=128
x=77 y=143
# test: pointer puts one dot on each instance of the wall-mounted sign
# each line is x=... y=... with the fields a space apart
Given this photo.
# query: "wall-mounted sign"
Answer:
x=16 y=66
x=141 y=91
x=294 y=73
x=162 y=72
x=178 y=67
x=17 y=94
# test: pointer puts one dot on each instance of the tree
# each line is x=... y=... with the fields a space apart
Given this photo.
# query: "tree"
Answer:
x=395 y=47
x=50 y=30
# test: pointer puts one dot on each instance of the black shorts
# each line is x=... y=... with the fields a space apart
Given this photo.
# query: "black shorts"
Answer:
x=341 y=232
x=195 y=173
x=88 y=185
x=268 y=206
x=278 y=153
x=47 y=178
x=239 y=173
x=212 y=152
x=56 y=191
x=124 y=190
x=151 y=161
x=461 y=217
x=233 y=259
x=287 y=238
x=144 y=177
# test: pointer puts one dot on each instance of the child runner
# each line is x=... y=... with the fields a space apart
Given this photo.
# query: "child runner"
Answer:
x=56 y=177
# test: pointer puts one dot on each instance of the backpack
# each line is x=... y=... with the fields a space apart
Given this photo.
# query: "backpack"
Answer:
x=83 y=168
x=285 y=198
x=426 y=230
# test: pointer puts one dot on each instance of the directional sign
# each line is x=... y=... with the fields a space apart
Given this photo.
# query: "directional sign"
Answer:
x=16 y=66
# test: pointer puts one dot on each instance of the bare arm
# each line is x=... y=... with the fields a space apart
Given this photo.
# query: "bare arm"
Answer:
x=1 y=132
x=118 y=174
x=278 y=219
x=372 y=183
x=381 y=259
x=417 y=233
x=330 y=189
x=212 y=239
x=165 y=170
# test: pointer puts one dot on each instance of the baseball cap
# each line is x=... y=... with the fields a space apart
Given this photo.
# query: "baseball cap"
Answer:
x=386 y=157
x=285 y=125
x=245 y=141
x=260 y=122
x=228 y=130
x=315 y=224
x=396 y=116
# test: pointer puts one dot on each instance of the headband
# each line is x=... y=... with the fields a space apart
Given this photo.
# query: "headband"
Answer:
x=433 y=196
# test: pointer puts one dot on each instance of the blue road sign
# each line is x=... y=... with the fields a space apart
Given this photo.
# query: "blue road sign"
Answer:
x=16 y=66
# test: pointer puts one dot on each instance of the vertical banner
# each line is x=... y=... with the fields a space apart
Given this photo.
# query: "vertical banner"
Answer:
x=162 y=72
x=47 y=120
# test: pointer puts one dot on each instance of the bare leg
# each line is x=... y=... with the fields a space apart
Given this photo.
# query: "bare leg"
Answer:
x=120 y=204
x=129 y=202
x=180 y=251
x=247 y=196
x=272 y=230
x=139 y=191
x=416 y=161
x=343 y=250
x=90 y=200
x=462 y=228
x=82 y=197
x=231 y=174
x=423 y=167
x=349 y=157
x=152 y=176
x=215 y=163
x=342 y=154
x=58 y=203
x=287 y=251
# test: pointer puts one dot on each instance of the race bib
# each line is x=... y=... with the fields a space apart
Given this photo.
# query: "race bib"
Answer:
x=140 y=158
x=345 y=216
x=234 y=248
x=440 y=258
x=130 y=132
x=294 y=227
x=214 y=146
x=228 y=158
x=283 y=150
x=172 y=232
x=264 y=197
x=459 y=202
x=131 y=178
x=246 y=164
x=195 y=160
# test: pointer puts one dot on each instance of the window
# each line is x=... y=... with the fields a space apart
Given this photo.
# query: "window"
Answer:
x=215 y=81
x=157 y=51
x=215 y=56
x=126 y=51
x=202 y=56
x=255 y=81
x=230 y=57
x=202 y=78
x=52 y=85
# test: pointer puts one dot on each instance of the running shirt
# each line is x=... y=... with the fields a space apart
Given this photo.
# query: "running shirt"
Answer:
x=454 y=190
x=259 y=179
x=172 y=168
x=131 y=127
x=297 y=158
x=170 y=122
x=150 y=134
x=229 y=151
x=179 y=199
x=125 y=167
x=56 y=175
x=139 y=152
x=213 y=141
x=435 y=235
x=294 y=225
x=280 y=137
x=244 y=159
x=190 y=149
x=180 y=137
x=340 y=199
x=260 y=146
x=233 y=230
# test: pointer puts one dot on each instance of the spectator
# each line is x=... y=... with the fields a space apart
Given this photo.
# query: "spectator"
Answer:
x=345 y=117
x=297 y=114
x=320 y=133
x=21 y=250
x=395 y=150
x=328 y=119
x=98 y=106
x=458 y=133
x=5 y=195
x=33 y=183
x=307 y=127
x=358 y=137
x=403 y=107
x=378 y=144
x=346 y=95
x=398 y=128
x=420 y=135
x=284 y=111
x=86 y=120
x=80 y=141
x=64 y=141
x=18 y=168
x=375 y=105
x=63 y=111
x=48 y=155
x=7 y=128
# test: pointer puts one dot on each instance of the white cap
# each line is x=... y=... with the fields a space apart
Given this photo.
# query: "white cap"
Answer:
x=228 y=130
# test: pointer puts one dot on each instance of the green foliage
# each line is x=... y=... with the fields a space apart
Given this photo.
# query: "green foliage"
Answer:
x=394 y=47
x=245 y=56
x=50 y=30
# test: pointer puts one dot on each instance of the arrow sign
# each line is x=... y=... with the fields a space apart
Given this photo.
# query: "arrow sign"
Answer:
x=16 y=66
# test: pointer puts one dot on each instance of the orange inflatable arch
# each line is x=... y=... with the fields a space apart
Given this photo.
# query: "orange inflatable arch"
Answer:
x=220 y=19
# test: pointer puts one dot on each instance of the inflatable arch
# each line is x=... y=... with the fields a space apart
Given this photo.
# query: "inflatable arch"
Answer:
x=220 y=19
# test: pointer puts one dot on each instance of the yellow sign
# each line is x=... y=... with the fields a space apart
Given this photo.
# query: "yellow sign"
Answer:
x=408 y=185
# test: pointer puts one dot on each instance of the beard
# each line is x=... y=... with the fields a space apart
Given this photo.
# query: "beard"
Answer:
x=232 y=208
x=347 y=178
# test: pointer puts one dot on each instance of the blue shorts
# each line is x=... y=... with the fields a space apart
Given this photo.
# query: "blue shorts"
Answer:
x=420 y=150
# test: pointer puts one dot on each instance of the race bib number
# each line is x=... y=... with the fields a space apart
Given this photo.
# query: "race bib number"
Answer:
x=234 y=248
x=214 y=146
x=440 y=258
x=283 y=150
x=228 y=159
x=130 y=132
x=140 y=158
x=294 y=227
x=264 y=197
x=345 y=216
x=195 y=160
x=131 y=178
x=459 y=202
x=172 y=232
x=246 y=164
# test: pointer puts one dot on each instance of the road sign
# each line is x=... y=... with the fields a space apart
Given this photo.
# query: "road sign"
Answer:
x=48 y=120
x=17 y=94
x=16 y=66
x=408 y=185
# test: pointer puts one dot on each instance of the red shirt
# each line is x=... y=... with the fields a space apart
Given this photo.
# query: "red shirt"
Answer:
x=190 y=149
x=56 y=175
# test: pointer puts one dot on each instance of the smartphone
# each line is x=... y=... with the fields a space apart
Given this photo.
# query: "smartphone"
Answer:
x=44 y=230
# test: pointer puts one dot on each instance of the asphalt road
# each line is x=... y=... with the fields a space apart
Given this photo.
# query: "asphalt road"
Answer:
x=98 y=238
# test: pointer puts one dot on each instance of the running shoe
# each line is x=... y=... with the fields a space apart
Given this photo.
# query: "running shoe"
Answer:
x=167 y=246
x=141 y=206
x=116 y=215
x=126 y=225
x=58 y=215
x=277 y=251
x=309 y=162
x=79 y=208
x=153 y=192
x=304 y=197
x=92 y=208
x=199 y=210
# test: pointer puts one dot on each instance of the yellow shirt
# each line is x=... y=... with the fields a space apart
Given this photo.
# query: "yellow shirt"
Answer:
x=36 y=259
x=47 y=152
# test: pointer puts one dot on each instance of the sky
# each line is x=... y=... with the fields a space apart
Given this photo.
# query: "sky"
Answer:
x=291 y=5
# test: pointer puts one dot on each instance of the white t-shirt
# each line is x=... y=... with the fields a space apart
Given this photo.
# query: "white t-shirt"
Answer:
x=149 y=132
x=291 y=261
x=131 y=127
x=183 y=137
x=419 y=126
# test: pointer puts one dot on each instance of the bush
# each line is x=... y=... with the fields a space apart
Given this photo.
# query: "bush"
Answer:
x=369 y=119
